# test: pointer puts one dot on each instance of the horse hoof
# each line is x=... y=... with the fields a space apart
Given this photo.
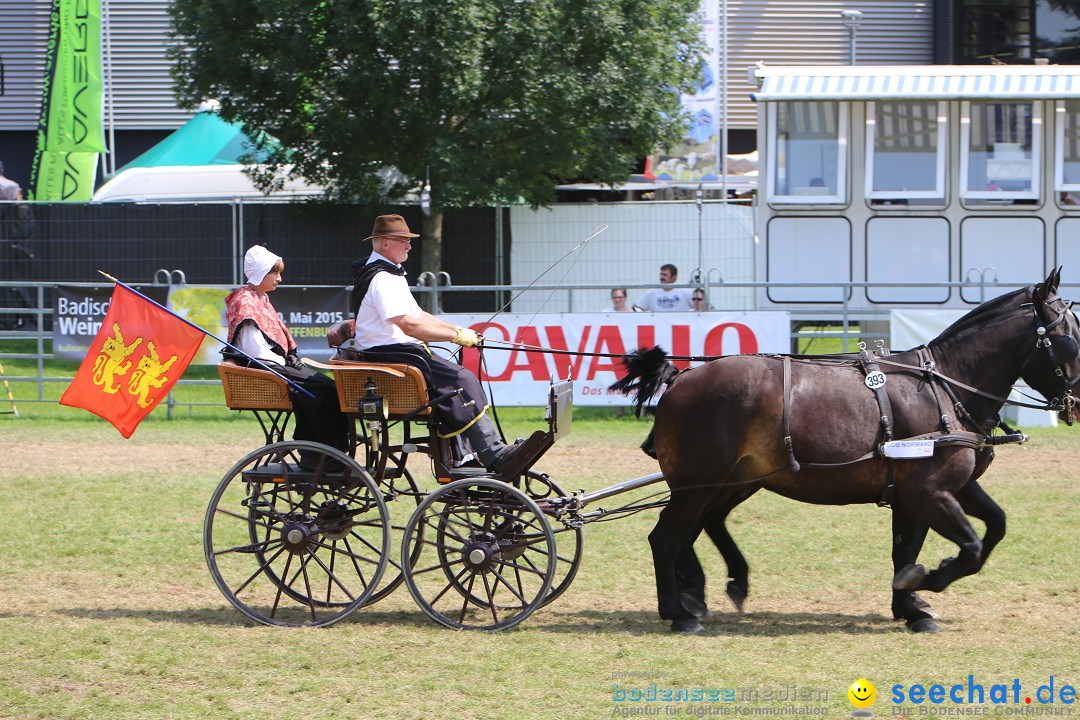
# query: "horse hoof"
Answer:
x=909 y=578
x=737 y=595
x=694 y=605
x=921 y=604
x=689 y=626
x=923 y=625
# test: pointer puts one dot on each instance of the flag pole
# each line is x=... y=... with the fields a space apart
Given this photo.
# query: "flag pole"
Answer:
x=229 y=345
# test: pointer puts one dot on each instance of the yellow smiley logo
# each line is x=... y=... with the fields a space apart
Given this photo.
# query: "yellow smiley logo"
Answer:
x=862 y=693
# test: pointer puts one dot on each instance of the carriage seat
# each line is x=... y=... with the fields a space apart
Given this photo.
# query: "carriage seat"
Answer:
x=340 y=332
x=402 y=387
x=249 y=388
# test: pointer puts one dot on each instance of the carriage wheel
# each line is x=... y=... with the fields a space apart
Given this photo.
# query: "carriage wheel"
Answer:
x=487 y=555
x=570 y=542
x=402 y=495
x=293 y=546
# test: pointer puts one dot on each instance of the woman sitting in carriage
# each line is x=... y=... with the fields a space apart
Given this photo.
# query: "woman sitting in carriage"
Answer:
x=256 y=329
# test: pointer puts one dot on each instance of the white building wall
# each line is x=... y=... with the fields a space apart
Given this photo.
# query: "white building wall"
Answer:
x=777 y=32
x=138 y=29
x=641 y=236
x=24 y=31
x=790 y=32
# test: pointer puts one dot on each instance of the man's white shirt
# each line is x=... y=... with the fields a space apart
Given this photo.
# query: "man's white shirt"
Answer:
x=387 y=297
x=659 y=300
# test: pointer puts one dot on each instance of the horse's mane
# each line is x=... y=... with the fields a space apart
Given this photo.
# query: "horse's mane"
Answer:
x=977 y=318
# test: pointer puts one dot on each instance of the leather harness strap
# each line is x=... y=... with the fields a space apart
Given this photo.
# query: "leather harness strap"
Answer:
x=869 y=366
x=946 y=437
x=793 y=464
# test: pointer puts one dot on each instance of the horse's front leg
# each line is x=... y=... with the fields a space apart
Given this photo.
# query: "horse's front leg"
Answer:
x=908 y=538
x=978 y=504
x=943 y=513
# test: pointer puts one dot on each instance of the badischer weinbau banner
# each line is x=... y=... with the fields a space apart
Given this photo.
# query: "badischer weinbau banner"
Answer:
x=308 y=312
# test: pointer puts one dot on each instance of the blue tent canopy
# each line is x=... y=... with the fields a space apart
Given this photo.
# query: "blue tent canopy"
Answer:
x=205 y=139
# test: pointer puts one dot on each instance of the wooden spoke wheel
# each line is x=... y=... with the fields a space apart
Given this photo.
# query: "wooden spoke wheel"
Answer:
x=569 y=541
x=402 y=496
x=486 y=559
x=400 y=491
x=297 y=533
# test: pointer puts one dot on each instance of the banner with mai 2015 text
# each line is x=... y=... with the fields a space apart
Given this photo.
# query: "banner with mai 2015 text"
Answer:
x=78 y=312
x=519 y=377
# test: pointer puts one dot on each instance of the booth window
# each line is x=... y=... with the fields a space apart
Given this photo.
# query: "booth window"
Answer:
x=807 y=147
x=1067 y=154
x=905 y=152
x=1001 y=147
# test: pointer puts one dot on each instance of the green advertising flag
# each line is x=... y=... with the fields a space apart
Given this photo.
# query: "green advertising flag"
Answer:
x=65 y=176
x=75 y=108
x=70 y=128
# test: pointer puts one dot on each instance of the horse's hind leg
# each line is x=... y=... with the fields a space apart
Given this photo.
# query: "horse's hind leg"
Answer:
x=947 y=518
x=688 y=570
x=678 y=524
x=908 y=538
x=691 y=579
x=738 y=586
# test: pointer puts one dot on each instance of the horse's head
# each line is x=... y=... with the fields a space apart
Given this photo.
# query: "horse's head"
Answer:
x=1053 y=367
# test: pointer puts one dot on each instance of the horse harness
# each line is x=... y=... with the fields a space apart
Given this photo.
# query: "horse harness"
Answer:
x=1060 y=351
x=869 y=362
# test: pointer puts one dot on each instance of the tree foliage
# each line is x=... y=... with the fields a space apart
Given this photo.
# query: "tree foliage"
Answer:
x=492 y=100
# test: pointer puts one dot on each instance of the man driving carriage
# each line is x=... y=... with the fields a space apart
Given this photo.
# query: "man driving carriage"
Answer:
x=391 y=327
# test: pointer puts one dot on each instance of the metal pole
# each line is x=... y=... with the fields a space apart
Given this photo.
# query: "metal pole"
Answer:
x=851 y=19
x=106 y=26
x=500 y=278
x=723 y=103
x=699 y=197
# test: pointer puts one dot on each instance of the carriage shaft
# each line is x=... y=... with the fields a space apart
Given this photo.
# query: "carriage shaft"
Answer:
x=583 y=500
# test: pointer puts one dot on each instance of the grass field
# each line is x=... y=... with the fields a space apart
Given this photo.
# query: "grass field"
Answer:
x=107 y=609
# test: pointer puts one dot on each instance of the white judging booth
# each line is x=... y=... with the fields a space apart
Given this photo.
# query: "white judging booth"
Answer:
x=589 y=347
x=915 y=174
x=911 y=328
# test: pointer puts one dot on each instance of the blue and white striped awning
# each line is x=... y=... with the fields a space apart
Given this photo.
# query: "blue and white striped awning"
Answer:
x=917 y=82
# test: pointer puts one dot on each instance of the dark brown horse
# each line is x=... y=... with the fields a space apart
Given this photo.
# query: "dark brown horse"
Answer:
x=814 y=429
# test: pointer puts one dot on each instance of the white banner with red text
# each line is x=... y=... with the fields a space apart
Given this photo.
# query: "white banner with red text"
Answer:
x=589 y=347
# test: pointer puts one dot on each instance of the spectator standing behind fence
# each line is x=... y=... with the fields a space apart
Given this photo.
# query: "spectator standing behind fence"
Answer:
x=701 y=304
x=667 y=298
x=618 y=301
x=9 y=189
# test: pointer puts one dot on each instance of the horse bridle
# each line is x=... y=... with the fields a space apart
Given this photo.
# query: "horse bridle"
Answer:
x=1060 y=351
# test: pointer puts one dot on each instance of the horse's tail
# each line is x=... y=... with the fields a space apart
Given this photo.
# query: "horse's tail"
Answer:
x=647 y=372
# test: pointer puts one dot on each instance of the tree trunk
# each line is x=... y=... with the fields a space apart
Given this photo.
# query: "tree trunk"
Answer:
x=431 y=242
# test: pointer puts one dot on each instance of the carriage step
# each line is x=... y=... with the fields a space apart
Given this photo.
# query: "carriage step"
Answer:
x=271 y=472
x=461 y=473
x=278 y=472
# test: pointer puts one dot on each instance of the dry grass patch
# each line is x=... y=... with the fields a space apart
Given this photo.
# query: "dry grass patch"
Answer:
x=107 y=609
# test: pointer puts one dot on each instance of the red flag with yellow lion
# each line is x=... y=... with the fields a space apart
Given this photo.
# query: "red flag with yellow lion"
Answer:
x=139 y=353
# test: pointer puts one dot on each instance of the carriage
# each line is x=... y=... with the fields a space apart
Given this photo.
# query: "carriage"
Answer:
x=291 y=543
